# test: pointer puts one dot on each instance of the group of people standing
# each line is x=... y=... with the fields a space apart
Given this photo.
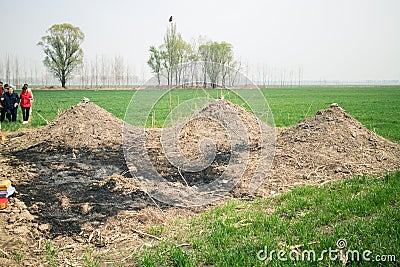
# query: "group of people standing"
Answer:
x=10 y=100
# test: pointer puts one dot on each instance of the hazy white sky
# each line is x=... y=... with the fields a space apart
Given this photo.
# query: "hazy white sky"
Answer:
x=327 y=39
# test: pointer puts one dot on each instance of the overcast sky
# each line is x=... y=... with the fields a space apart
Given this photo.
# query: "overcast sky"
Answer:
x=327 y=39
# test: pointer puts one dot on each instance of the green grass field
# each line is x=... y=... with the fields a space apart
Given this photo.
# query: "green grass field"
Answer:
x=378 y=108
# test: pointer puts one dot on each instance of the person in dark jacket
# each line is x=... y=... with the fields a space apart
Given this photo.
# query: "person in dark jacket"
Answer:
x=2 y=108
x=11 y=100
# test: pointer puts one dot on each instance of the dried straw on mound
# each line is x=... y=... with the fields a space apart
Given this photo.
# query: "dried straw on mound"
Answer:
x=83 y=125
x=328 y=146
x=86 y=124
x=218 y=120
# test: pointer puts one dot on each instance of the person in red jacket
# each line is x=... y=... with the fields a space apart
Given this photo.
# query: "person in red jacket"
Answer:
x=26 y=99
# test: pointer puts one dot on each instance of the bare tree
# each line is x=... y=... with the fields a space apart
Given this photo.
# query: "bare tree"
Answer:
x=96 y=72
x=104 y=71
x=300 y=76
x=82 y=75
x=16 y=70
x=1 y=69
x=127 y=75
x=118 y=70
x=36 y=75
x=7 y=68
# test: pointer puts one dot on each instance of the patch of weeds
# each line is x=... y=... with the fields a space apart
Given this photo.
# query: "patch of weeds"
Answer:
x=90 y=260
x=18 y=256
x=52 y=255
x=179 y=258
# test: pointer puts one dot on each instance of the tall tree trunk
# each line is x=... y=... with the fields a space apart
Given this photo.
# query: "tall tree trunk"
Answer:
x=63 y=81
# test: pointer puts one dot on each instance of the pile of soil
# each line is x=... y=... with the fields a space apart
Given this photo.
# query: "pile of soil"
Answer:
x=74 y=186
x=328 y=146
x=85 y=125
x=231 y=128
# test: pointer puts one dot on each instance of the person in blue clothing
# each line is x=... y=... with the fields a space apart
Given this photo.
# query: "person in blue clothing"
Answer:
x=11 y=102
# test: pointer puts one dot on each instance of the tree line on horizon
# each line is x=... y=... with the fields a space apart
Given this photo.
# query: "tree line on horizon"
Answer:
x=175 y=58
x=170 y=62
x=64 y=57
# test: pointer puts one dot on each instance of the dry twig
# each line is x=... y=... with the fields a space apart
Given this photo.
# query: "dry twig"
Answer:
x=47 y=122
x=183 y=178
x=146 y=234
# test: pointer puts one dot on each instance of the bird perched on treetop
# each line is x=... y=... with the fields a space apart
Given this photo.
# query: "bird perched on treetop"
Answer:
x=170 y=19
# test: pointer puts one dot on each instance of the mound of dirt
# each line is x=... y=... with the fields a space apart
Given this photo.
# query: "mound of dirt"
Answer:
x=72 y=171
x=328 y=146
x=230 y=127
x=205 y=125
x=85 y=125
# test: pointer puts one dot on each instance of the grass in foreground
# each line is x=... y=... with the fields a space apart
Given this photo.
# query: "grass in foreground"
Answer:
x=364 y=211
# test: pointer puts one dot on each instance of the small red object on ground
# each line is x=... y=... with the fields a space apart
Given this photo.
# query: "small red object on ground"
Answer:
x=3 y=203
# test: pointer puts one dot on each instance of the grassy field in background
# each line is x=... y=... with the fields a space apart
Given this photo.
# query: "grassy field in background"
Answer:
x=378 y=108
